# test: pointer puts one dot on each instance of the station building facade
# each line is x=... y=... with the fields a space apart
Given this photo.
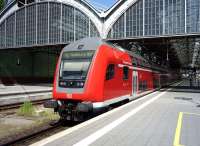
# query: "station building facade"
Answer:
x=147 y=18
x=31 y=36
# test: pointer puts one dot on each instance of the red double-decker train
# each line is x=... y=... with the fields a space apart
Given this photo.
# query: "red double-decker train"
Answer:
x=93 y=75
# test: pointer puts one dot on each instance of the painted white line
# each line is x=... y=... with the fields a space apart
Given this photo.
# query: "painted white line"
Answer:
x=93 y=137
x=23 y=96
x=70 y=130
x=176 y=84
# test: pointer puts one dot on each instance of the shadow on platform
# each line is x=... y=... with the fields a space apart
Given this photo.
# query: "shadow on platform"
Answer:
x=184 y=86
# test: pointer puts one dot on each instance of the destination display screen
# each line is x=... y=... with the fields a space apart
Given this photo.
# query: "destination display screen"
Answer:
x=78 y=54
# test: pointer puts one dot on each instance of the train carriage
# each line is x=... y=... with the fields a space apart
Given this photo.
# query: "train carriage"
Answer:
x=92 y=75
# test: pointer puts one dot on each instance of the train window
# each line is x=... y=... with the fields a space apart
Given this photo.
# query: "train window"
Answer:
x=155 y=83
x=138 y=62
x=110 y=71
x=125 y=72
x=134 y=62
x=143 y=85
x=140 y=86
x=143 y=63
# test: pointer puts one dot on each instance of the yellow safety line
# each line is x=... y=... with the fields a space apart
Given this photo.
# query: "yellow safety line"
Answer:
x=178 y=130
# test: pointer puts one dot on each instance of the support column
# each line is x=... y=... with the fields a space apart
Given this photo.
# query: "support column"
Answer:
x=143 y=17
x=15 y=28
x=163 y=17
x=74 y=24
x=125 y=25
x=48 y=24
x=61 y=16
x=5 y=33
x=25 y=23
x=36 y=19
x=185 y=16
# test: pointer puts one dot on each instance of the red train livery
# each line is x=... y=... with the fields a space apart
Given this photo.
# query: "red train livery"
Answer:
x=92 y=75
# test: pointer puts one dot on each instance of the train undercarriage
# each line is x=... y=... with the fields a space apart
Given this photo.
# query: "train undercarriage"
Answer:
x=73 y=110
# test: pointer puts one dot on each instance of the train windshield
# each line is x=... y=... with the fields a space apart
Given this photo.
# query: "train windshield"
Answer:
x=72 y=69
x=75 y=65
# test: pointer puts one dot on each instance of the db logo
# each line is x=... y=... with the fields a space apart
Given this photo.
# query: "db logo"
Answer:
x=69 y=95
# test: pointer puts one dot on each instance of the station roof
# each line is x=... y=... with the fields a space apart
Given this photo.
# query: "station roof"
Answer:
x=181 y=51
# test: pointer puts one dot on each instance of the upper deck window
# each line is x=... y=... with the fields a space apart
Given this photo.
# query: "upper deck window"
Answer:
x=134 y=61
x=110 y=71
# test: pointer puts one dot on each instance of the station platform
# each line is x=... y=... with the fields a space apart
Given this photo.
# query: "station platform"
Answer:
x=168 y=117
x=21 y=89
x=19 y=93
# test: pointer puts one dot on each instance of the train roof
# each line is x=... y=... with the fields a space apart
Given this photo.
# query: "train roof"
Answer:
x=90 y=44
x=93 y=43
x=84 y=44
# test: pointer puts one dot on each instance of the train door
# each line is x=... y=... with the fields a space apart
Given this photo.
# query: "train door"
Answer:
x=135 y=83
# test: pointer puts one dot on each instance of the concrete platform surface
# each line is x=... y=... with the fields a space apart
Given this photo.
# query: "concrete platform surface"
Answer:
x=20 y=93
x=163 y=118
x=23 y=89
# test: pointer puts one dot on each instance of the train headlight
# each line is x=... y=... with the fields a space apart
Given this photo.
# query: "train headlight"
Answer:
x=82 y=84
x=62 y=83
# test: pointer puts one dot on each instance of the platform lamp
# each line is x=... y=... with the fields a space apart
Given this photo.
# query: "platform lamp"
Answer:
x=18 y=61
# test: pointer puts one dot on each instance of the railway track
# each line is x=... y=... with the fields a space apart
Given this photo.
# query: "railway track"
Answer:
x=17 y=105
x=36 y=134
